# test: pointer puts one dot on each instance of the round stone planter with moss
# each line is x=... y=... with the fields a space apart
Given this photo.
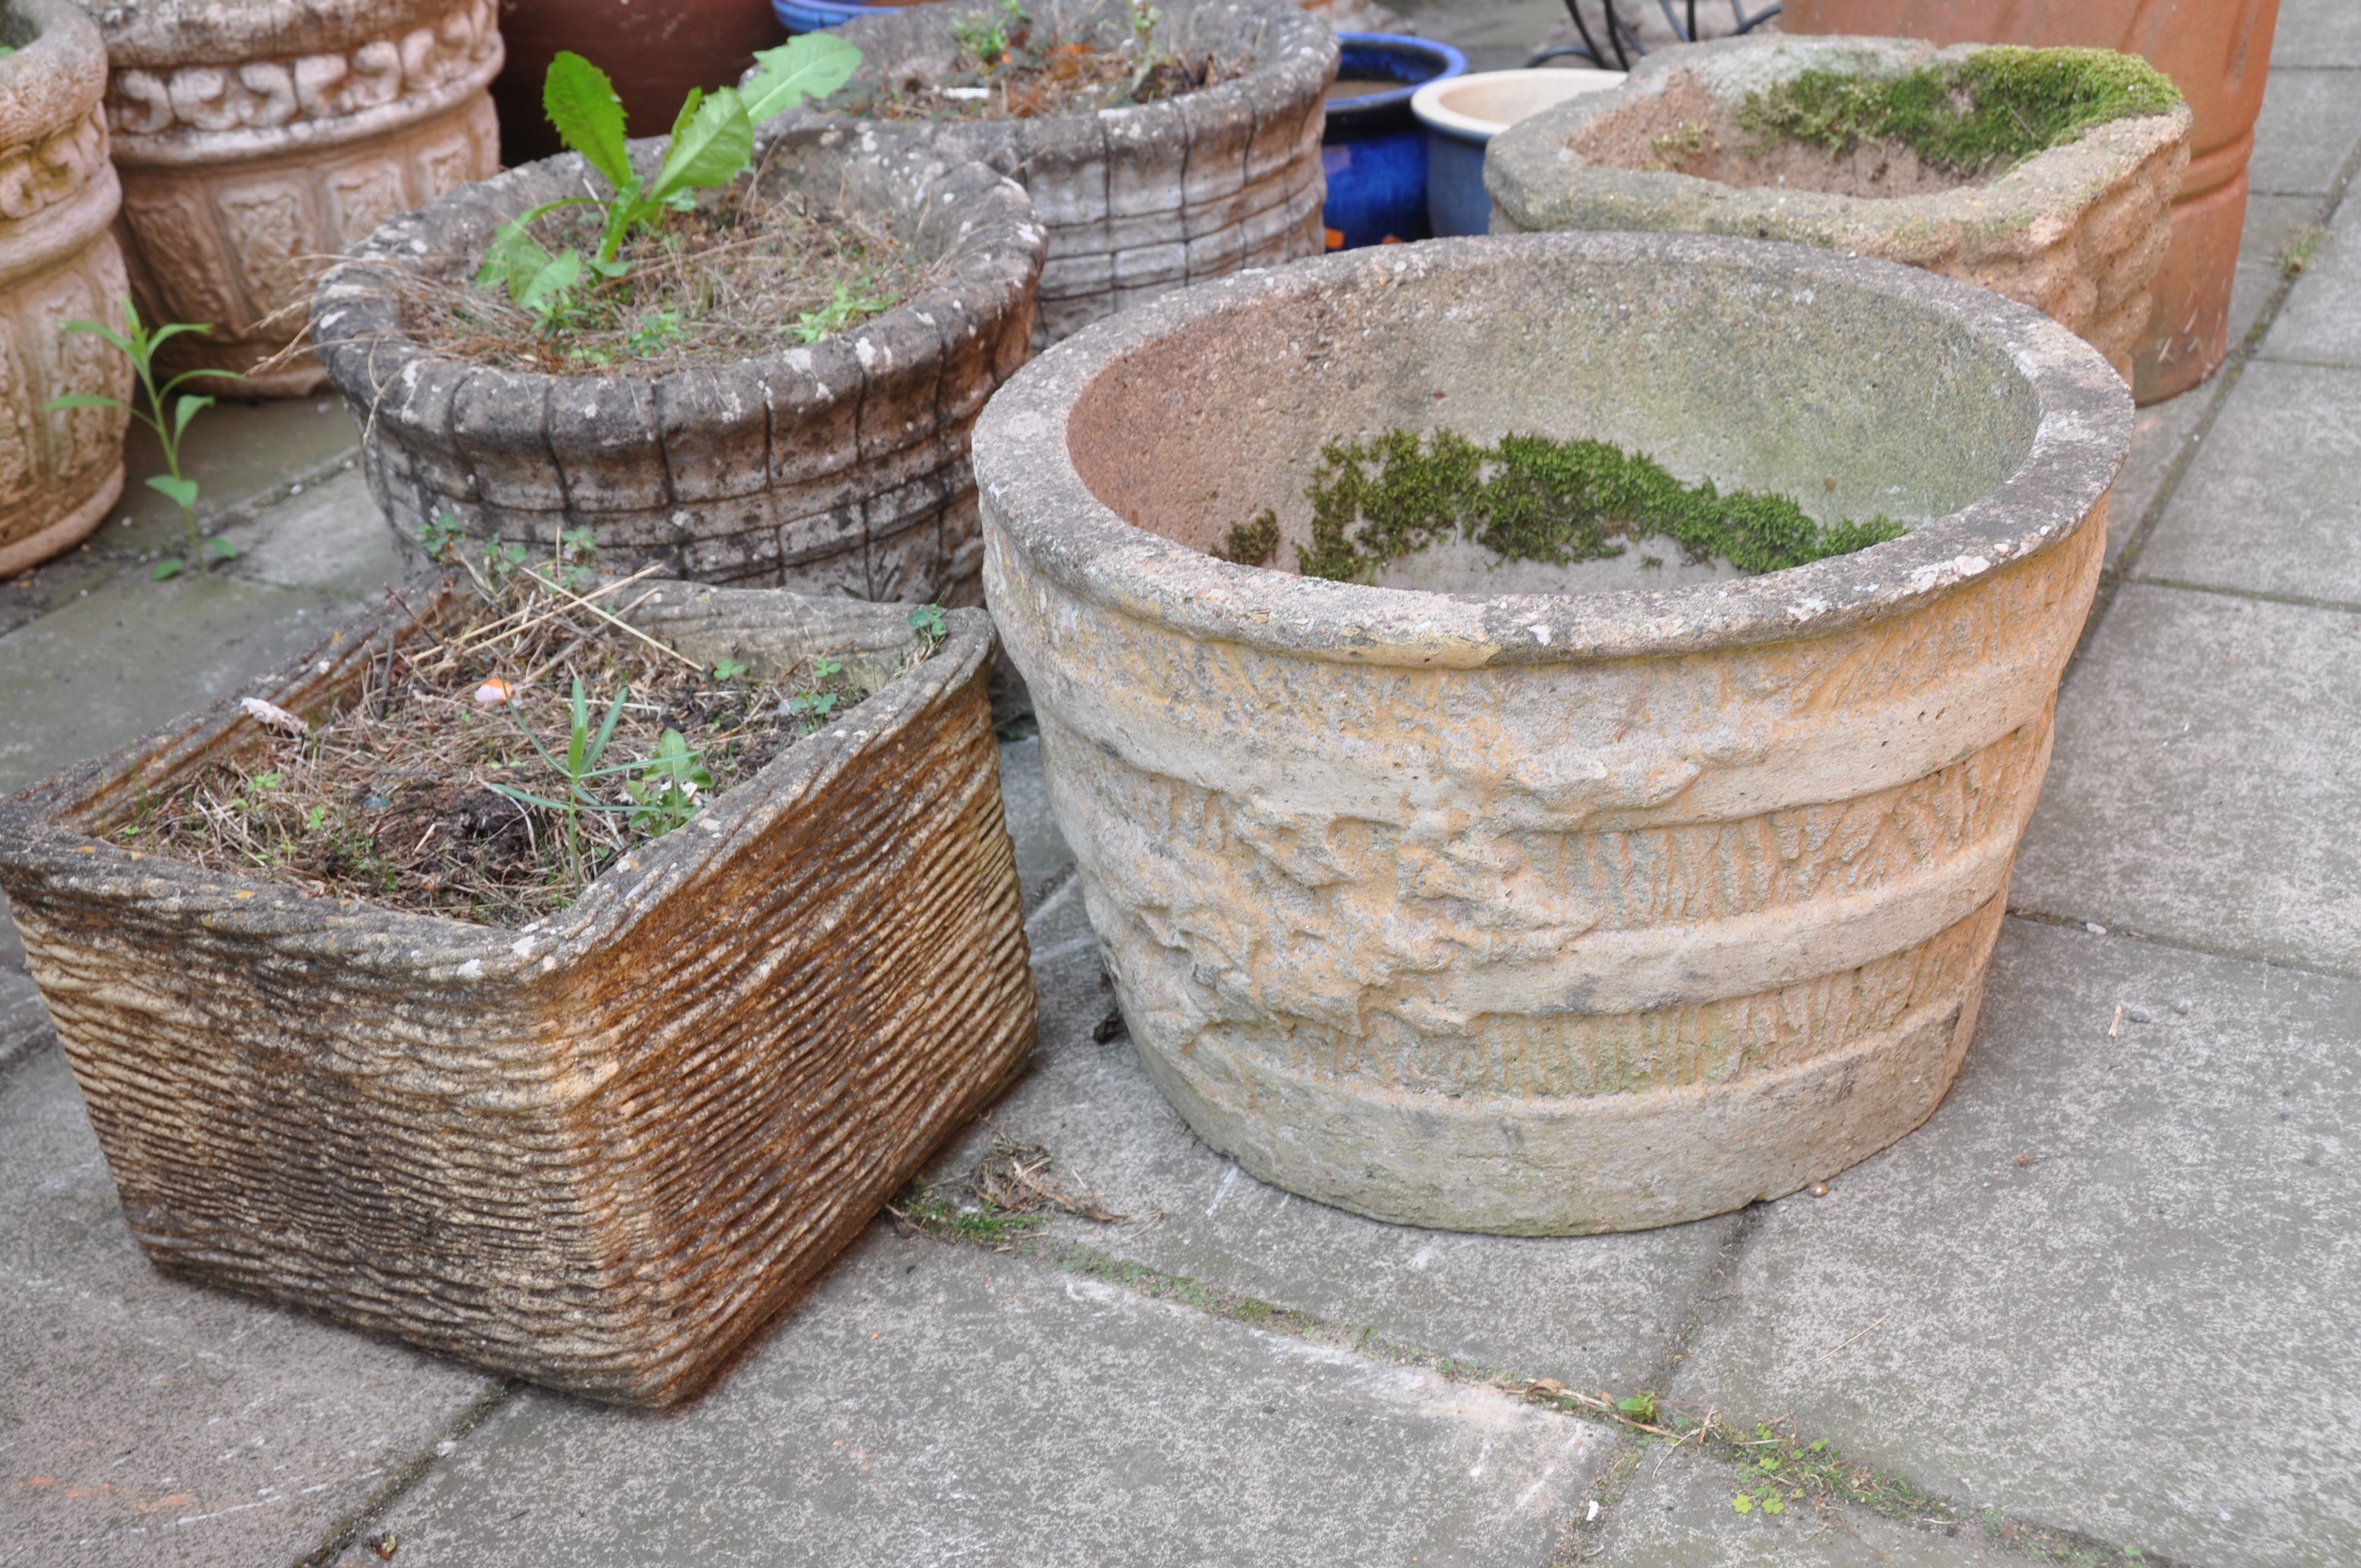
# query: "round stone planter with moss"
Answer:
x=2046 y=175
x=1138 y=198
x=1523 y=885
x=832 y=460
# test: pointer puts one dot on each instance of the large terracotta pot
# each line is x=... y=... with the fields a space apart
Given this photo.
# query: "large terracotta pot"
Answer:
x=1559 y=899
x=653 y=51
x=59 y=472
x=257 y=139
x=2219 y=51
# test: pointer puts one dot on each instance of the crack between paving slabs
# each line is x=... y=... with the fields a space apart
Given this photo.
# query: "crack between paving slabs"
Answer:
x=346 y=1533
x=2179 y=945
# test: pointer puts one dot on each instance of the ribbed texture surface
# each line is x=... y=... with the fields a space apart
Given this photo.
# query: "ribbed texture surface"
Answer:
x=598 y=1156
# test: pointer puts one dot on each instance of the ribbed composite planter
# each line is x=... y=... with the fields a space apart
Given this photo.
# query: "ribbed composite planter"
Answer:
x=840 y=466
x=1140 y=199
x=1535 y=909
x=2217 y=52
x=2076 y=232
x=598 y=1152
x=59 y=472
x=258 y=137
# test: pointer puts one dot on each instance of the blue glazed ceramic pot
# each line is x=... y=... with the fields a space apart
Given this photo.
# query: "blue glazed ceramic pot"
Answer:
x=1373 y=149
x=811 y=16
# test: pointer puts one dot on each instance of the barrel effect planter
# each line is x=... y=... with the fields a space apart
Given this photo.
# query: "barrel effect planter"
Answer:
x=2217 y=52
x=59 y=472
x=599 y=1151
x=1537 y=911
x=840 y=466
x=257 y=139
x=2076 y=232
x=1141 y=200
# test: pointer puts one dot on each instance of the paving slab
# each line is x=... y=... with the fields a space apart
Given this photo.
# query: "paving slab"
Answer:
x=2269 y=504
x=2317 y=32
x=2203 y=788
x=2272 y=225
x=1043 y=862
x=144 y=1421
x=1592 y=1311
x=1678 y=1513
x=2113 y=1285
x=936 y=1403
x=2159 y=433
x=2317 y=325
x=2310 y=122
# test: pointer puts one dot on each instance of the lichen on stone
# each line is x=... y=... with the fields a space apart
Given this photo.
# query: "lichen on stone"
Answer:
x=1996 y=108
x=1531 y=498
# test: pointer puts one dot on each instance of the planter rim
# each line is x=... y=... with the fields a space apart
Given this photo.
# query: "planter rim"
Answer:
x=434 y=947
x=1301 y=43
x=356 y=327
x=172 y=33
x=1037 y=503
x=1427 y=103
x=56 y=78
x=1537 y=151
x=1454 y=63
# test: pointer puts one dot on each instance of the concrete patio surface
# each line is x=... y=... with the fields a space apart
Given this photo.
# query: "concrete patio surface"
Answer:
x=2104 y=1308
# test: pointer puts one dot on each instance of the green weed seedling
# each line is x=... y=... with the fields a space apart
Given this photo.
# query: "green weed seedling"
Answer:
x=814 y=704
x=712 y=144
x=847 y=306
x=439 y=536
x=927 y=621
x=726 y=669
x=579 y=766
x=669 y=785
x=138 y=344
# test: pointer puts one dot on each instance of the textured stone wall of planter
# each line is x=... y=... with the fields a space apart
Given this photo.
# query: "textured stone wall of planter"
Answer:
x=840 y=466
x=257 y=138
x=1538 y=900
x=2219 y=51
x=1139 y=199
x=2076 y=232
x=598 y=1152
x=59 y=472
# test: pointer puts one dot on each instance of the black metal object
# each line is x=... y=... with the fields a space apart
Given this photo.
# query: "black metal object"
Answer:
x=1623 y=45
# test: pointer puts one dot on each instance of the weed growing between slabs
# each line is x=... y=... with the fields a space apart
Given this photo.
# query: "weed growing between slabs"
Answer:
x=1529 y=498
x=487 y=771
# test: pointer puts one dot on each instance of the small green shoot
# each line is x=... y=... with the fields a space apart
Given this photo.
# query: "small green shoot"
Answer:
x=927 y=621
x=578 y=558
x=583 y=751
x=815 y=703
x=727 y=670
x=440 y=536
x=839 y=311
x=712 y=143
x=669 y=785
x=138 y=344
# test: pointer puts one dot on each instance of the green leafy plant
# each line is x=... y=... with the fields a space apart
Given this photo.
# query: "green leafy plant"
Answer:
x=727 y=670
x=815 y=703
x=712 y=143
x=578 y=558
x=847 y=306
x=669 y=785
x=439 y=536
x=138 y=344
x=987 y=39
x=578 y=767
x=928 y=621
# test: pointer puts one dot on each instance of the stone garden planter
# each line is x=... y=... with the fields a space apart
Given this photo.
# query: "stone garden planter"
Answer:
x=2076 y=232
x=1542 y=903
x=598 y=1152
x=2218 y=51
x=256 y=139
x=840 y=466
x=59 y=472
x=1137 y=201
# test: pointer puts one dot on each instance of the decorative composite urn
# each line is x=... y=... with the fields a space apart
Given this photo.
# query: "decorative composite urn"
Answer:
x=1136 y=199
x=836 y=467
x=599 y=1151
x=59 y=472
x=1703 y=140
x=1537 y=899
x=2218 y=51
x=257 y=139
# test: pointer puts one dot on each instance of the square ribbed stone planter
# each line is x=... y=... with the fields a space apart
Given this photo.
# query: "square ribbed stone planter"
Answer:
x=1140 y=199
x=1552 y=899
x=256 y=139
x=598 y=1151
x=2076 y=232
x=837 y=466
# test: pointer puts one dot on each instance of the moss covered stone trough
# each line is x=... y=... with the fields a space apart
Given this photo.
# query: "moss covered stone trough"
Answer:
x=2046 y=175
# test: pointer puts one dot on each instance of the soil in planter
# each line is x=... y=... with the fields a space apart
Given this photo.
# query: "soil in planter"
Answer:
x=741 y=276
x=1010 y=68
x=1855 y=135
x=407 y=795
x=1533 y=499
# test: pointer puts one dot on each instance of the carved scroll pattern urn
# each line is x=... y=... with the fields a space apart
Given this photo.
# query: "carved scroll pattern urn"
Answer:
x=59 y=473
x=258 y=138
x=1547 y=904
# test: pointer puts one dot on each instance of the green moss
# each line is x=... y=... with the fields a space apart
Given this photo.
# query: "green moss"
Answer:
x=1999 y=106
x=1533 y=499
x=1252 y=543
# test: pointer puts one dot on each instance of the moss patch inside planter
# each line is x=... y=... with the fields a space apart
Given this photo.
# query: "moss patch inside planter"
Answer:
x=440 y=787
x=1529 y=498
x=1008 y=66
x=743 y=273
x=1993 y=110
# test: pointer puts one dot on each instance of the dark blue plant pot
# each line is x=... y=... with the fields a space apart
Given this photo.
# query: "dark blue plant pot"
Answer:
x=1372 y=148
x=811 y=16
